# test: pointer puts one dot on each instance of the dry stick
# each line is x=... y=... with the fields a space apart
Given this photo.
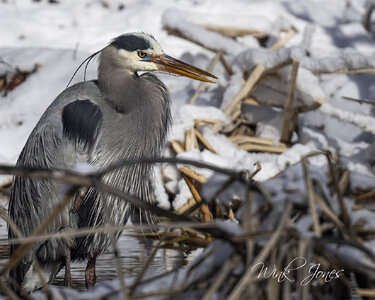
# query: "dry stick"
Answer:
x=241 y=139
x=311 y=197
x=263 y=148
x=249 y=225
x=209 y=70
x=109 y=229
x=233 y=32
x=281 y=43
x=332 y=216
x=204 y=141
x=245 y=90
x=226 y=65
x=258 y=167
x=272 y=286
x=328 y=155
x=345 y=71
x=237 y=175
x=22 y=250
x=180 y=34
x=344 y=212
x=191 y=141
x=147 y=263
x=303 y=107
x=366 y=292
x=192 y=174
x=177 y=147
x=288 y=109
x=206 y=214
x=360 y=101
x=81 y=179
x=229 y=264
x=367 y=197
x=286 y=292
x=246 y=278
x=343 y=182
x=303 y=249
x=10 y=223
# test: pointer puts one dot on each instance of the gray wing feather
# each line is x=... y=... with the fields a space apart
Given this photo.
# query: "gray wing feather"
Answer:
x=61 y=138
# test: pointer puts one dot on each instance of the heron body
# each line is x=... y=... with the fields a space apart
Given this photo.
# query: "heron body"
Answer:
x=121 y=115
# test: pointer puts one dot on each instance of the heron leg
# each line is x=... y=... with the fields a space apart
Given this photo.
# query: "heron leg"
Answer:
x=90 y=274
x=68 y=275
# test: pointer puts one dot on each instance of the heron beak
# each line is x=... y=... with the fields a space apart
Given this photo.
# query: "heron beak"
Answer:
x=171 y=65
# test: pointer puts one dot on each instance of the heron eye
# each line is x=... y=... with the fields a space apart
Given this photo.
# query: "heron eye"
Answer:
x=141 y=54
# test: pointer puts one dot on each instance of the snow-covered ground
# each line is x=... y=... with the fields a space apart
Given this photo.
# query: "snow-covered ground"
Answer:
x=330 y=36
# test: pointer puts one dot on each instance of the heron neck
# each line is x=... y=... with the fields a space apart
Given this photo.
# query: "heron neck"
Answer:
x=117 y=86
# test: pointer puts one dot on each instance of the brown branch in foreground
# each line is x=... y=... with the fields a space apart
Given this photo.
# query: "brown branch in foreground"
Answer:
x=108 y=229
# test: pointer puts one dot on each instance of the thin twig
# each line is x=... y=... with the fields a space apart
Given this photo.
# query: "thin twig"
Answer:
x=311 y=197
x=209 y=70
x=108 y=229
x=246 y=89
x=219 y=280
x=360 y=101
x=288 y=109
x=236 y=293
x=147 y=263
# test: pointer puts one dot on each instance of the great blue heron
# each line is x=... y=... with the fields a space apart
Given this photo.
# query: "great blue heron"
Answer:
x=121 y=115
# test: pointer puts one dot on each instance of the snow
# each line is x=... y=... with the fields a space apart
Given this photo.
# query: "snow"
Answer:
x=175 y=18
x=329 y=37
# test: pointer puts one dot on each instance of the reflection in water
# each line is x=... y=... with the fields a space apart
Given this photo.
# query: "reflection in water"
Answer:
x=133 y=252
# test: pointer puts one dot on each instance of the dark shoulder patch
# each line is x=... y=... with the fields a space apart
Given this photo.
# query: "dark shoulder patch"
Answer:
x=130 y=42
x=81 y=122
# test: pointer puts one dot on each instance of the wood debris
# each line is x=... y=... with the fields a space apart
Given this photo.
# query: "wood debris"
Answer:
x=18 y=77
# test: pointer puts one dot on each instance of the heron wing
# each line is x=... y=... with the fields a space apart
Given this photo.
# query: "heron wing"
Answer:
x=81 y=121
x=52 y=144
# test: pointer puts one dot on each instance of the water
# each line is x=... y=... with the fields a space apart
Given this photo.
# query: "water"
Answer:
x=133 y=253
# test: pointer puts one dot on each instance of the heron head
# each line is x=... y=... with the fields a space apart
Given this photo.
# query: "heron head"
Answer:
x=141 y=52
